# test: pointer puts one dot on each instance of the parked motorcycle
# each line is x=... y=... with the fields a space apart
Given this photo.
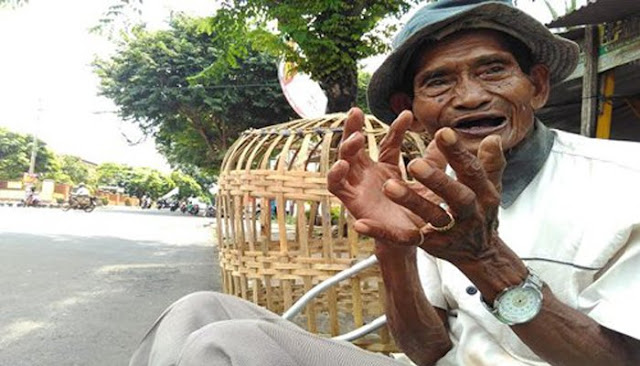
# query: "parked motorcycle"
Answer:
x=145 y=202
x=85 y=203
x=211 y=211
x=162 y=203
x=174 y=206
x=193 y=209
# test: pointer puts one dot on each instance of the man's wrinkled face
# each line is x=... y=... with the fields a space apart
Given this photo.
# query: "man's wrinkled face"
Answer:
x=472 y=83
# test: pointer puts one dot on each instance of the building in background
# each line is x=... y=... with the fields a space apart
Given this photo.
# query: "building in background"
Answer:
x=602 y=97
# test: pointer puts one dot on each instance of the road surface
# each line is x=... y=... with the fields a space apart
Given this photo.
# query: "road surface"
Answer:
x=82 y=288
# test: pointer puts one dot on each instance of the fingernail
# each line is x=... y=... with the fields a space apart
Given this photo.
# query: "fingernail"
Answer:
x=448 y=136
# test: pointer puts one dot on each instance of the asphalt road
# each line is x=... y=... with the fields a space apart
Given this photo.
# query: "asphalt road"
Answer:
x=82 y=288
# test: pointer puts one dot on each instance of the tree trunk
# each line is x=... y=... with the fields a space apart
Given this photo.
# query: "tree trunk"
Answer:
x=197 y=124
x=341 y=90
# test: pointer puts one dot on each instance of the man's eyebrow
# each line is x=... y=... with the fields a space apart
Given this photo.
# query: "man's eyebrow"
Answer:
x=433 y=73
x=491 y=59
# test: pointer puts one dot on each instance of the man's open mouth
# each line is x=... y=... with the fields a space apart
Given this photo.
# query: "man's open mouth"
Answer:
x=483 y=122
x=480 y=125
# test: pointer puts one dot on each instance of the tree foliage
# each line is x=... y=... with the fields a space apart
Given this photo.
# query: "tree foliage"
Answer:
x=75 y=169
x=15 y=157
x=146 y=181
x=363 y=83
x=193 y=121
x=325 y=38
x=13 y=3
x=187 y=185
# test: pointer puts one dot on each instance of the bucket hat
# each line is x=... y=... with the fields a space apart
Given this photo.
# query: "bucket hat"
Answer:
x=445 y=17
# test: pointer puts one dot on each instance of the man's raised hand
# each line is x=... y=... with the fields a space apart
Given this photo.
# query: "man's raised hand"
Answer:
x=358 y=182
x=473 y=198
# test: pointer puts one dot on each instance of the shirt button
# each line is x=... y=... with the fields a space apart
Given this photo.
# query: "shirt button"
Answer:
x=472 y=290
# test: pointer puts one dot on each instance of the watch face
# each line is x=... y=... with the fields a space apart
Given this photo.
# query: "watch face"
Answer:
x=520 y=304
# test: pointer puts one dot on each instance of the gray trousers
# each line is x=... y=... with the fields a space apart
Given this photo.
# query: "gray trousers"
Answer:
x=209 y=328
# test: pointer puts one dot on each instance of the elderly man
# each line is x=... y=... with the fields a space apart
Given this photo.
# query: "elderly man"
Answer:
x=500 y=252
x=554 y=281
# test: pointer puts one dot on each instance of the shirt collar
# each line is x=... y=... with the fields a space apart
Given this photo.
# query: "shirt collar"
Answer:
x=524 y=162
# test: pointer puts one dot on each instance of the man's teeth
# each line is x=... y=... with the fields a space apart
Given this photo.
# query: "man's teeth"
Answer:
x=491 y=122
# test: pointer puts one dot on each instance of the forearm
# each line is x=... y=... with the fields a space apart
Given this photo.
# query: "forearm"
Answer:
x=559 y=334
x=415 y=324
x=564 y=336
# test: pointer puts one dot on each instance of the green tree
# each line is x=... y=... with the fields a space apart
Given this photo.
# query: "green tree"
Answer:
x=74 y=168
x=326 y=38
x=188 y=186
x=193 y=122
x=15 y=156
x=146 y=181
x=134 y=181
x=363 y=83
x=112 y=174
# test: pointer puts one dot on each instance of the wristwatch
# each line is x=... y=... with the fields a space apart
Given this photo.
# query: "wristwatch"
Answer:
x=520 y=303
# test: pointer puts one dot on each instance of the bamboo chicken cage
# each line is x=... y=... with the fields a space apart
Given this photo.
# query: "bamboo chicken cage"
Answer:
x=281 y=232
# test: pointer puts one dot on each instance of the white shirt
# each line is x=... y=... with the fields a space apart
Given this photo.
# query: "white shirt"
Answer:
x=577 y=225
x=82 y=191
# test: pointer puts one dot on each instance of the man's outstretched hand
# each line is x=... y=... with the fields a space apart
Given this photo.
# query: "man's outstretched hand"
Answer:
x=359 y=182
x=395 y=212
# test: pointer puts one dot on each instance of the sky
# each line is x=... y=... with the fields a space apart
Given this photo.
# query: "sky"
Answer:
x=47 y=85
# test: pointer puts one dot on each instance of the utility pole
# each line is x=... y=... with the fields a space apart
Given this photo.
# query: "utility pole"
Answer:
x=34 y=152
x=34 y=146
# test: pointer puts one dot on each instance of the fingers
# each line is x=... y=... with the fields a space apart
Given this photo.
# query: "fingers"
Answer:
x=352 y=146
x=468 y=168
x=337 y=182
x=387 y=233
x=391 y=146
x=354 y=123
x=492 y=160
x=434 y=156
x=459 y=197
x=428 y=211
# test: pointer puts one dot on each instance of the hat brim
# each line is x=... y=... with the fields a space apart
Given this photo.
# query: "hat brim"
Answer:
x=559 y=54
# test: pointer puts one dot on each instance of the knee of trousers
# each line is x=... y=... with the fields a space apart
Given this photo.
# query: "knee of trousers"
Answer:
x=200 y=298
x=204 y=301
x=216 y=306
x=245 y=342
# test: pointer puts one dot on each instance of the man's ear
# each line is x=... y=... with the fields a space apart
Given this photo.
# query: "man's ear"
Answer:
x=401 y=101
x=540 y=78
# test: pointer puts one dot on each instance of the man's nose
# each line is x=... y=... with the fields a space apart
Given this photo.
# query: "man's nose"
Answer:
x=469 y=94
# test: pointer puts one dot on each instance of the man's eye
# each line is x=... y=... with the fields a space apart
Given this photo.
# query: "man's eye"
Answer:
x=496 y=69
x=434 y=83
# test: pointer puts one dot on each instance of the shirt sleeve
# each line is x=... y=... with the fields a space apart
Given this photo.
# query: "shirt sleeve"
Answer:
x=430 y=279
x=612 y=299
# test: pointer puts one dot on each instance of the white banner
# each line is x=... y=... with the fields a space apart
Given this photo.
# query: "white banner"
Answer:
x=305 y=96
